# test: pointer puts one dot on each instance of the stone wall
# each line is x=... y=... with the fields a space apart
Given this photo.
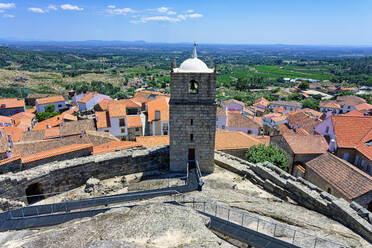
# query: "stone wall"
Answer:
x=11 y=111
x=69 y=155
x=10 y=165
x=69 y=174
x=303 y=192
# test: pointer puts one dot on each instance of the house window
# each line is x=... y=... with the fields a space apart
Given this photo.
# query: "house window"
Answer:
x=193 y=87
x=191 y=137
x=121 y=122
x=329 y=190
x=137 y=129
x=106 y=131
x=123 y=130
x=223 y=126
x=157 y=115
x=165 y=129
x=59 y=105
x=191 y=122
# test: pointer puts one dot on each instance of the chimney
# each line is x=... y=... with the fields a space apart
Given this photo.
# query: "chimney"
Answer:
x=47 y=126
x=8 y=153
x=332 y=145
x=10 y=140
x=82 y=133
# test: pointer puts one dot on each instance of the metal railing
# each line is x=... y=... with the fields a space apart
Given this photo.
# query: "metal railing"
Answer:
x=247 y=220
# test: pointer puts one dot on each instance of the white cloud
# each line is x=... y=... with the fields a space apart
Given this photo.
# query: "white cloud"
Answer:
x=52 y=7
x=162 y=9
x=195 y=15
x=8 y=16
x=123 y=11
x=36 y=10
x=171 y=13
x=7 y=5
x=111 y=6
x=182 y=17
x=190 y=11
x=159 y=18
x=70 y=7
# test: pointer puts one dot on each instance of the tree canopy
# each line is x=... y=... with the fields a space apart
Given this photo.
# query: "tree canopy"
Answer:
x=48 y=113
x=261 y=153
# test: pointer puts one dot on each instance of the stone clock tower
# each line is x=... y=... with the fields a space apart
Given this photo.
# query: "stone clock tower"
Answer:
x=192 y=115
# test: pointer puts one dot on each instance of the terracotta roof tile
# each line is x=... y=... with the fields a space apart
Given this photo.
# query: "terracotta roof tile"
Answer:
x=11 y=103
x=342 y=175
x=221 y=112
x=226 y=140
x=227 y=102
x=287 y=103
x=302 y=120
x=312 y=112
x=51 y=99
x=161 y=104
x=31 y=110
x=14 y=132
x=279 y=109
x=5 y=119
x=117 y=110
x=329 y=104
x=129 y=103
x=350 y=130
x=306 y=144
x=87 y=97
x=102 y=119
x=349 y=100
x=103 y=105
x=114 y=146
x=238 y=120
x=151 y=141
x=134 y=121
x=363 y=106
x=54 y=121
x=56 y=152
x=354 y=112
x=8 y=160
x=52 y=132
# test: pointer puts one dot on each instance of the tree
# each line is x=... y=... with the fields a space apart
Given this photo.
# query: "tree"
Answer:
x=294 y=97
x=261 y=153
x=48 y=113
x=310 y=103
x=304 y=85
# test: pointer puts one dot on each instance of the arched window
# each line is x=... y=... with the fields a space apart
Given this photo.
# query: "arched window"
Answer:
x=193 y=87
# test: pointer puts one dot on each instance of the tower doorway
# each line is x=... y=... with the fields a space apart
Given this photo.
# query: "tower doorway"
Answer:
x=34 y=193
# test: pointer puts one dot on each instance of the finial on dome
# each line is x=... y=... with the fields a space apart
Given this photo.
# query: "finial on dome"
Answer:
x=194 y=54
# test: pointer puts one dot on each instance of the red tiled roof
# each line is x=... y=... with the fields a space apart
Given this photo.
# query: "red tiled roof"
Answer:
x=5 y=119
x=160 y=104
x=11 y=103
x=54 y=121
x=14 y=132
x=363 y=106
x=129 y=103
x=302 y=120
x=134 y=121
x=226 y=140
x=23 y=114
x=102 y=119
x=116 y=109
x=354 y=112
x=350 y=100
x=8 y=160
x=105 y=103
x=52 y=132
x=329 y=104
x=312 y=112
x=238 y=120
x=51 y=99
x=227 y=102
x=221 y=112
x=279 y=109
x=350 y=130
x=87 y=97
x=31 y=110
x=56 y=152
x=342 y=175
x=306 y=144
x=151 y=141
x=114 y=146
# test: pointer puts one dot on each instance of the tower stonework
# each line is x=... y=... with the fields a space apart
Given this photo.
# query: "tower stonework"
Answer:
x=192 y=117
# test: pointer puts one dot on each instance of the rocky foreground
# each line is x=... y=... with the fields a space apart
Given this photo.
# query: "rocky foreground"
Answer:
x=166 y=225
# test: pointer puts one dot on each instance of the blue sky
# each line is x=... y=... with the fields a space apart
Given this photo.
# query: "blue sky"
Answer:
x=342 y=22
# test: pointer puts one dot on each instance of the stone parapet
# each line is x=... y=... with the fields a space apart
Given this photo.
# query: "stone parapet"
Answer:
x=279 y=182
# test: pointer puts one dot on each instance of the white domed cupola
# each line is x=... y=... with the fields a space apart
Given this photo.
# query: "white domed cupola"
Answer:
x=193 y=65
